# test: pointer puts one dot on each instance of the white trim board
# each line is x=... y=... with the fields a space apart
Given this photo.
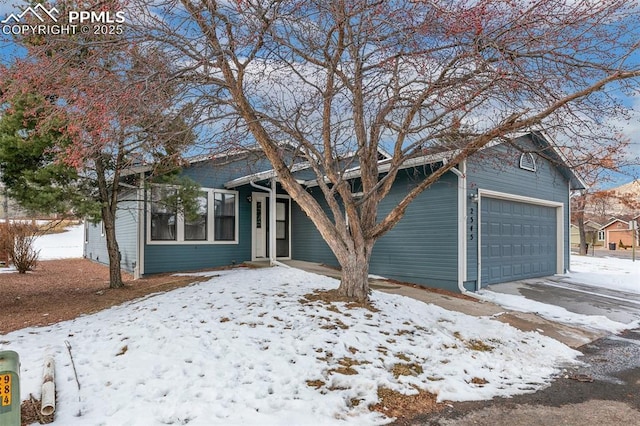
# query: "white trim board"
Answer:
x=264 y=196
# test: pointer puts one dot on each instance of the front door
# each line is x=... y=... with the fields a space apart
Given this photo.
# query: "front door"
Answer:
x=260 y=226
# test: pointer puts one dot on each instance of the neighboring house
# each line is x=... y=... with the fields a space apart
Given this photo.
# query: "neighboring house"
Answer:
x=617 y=231
x=594 y=235
x=501 y=215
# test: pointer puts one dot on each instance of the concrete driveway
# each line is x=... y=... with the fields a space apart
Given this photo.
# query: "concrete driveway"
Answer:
x=575 y=297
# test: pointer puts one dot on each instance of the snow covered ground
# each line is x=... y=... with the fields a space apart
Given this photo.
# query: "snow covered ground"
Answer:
x=64 y=245
x=605 y=272
x=246 y=347
x=608 y=272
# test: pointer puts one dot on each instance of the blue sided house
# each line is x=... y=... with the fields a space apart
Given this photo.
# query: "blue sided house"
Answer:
x=501 y=215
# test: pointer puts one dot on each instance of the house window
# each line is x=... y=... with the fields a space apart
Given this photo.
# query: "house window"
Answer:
x=600 y=235
x=164 y=212
x=195 y=224
x=225 y=216
x=527 y=162
x=281 y=221
x=214 y=219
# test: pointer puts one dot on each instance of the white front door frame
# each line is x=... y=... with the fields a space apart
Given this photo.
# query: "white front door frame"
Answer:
x=259 y=235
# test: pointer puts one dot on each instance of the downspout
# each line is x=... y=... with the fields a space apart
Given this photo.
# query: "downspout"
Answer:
x=272 y=221
x=139 y=269
x=462 y=226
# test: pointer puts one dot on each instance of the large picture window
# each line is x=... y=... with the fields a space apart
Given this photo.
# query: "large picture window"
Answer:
x=213 y=221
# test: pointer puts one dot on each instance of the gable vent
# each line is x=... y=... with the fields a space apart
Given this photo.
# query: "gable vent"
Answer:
x=527 y=162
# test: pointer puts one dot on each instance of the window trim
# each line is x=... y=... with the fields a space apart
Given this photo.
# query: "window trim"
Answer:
x=524 y=163
x=210 y=222
x=212 y=216
x=603 y=233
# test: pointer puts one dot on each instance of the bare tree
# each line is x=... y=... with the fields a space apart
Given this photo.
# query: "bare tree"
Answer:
x=110 y=100
x=340 y=79
x=597 y=166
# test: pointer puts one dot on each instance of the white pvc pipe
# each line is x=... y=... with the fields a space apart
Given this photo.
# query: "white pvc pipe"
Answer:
x=48 y=405
x=272 y=223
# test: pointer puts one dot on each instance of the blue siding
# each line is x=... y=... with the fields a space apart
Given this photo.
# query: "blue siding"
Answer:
x=127 y=230
x=211 y=174
x=126 y=234
x=306 y=242
x=421 y=248
x=215 y=173
x=188 y=257
x=95 y=245
x=497 y=169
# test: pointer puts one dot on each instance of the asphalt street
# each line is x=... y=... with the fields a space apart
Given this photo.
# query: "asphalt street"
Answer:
x=605 y=390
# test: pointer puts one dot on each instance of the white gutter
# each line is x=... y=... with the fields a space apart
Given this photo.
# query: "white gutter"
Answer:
x=386 y=166
x=267 y=174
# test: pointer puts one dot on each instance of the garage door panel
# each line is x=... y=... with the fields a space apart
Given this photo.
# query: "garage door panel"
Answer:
x=517 y=269
x=518 y=240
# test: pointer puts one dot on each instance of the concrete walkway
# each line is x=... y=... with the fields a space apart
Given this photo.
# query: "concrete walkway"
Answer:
x=570 y=335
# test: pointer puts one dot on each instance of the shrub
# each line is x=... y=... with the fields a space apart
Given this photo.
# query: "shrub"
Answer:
x=17 y=240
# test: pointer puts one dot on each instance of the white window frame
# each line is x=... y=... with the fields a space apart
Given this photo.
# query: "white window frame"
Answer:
x=601 y=235
x=210 y=222
x=524 y=164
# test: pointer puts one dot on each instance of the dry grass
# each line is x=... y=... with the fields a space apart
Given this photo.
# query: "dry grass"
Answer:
x=59 y=290
x=30 y=412
x=404 y=407
x=328 y=297
x=474 y=344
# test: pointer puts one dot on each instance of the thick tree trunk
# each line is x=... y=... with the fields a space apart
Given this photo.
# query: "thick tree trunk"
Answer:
x=109 y=207
x=354 y=283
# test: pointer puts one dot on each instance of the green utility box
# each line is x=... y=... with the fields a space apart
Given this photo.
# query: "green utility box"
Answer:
x=9 y=388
